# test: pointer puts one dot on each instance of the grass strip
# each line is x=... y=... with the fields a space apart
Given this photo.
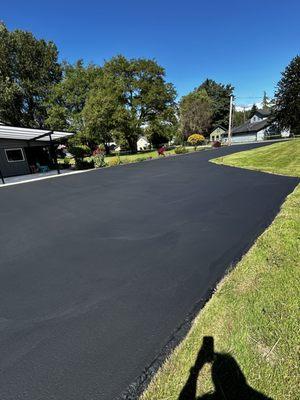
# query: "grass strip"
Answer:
x=279 y=158
x=254 y=312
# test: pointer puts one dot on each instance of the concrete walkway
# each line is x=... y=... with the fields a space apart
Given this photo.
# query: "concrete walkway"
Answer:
x=34 y=177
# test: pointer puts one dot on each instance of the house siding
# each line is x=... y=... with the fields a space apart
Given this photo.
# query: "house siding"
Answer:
x=142 y=143
x=260 y=135
x=250 y=137
x=19 y=167
x=13 y=168
x=216 y=134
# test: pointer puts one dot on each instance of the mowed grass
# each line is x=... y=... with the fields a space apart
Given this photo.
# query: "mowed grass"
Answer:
x=254 y=312
x=144 y=156
x=130 y=158
x=279 y=158
x=114 y=159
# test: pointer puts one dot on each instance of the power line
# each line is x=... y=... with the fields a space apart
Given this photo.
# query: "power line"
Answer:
x=248 y=97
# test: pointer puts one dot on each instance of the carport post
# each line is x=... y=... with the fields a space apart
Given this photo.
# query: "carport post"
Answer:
x=2 y=177
x=54 y=153
x=30 y=170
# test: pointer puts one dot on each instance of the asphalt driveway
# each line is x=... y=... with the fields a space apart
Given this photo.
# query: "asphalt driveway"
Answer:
x=98 y=269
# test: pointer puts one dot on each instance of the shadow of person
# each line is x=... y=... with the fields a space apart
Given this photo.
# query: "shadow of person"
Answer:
x=228 y=379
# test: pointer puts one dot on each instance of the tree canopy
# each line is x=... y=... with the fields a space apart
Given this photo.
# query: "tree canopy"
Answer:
x=196 y=111
x=119 y=101
x=253 y=110
x=66 y=102
x=136 y=96
x=29 y=69
x=287 y=98
x=103 y=113
x=205 y=108
x=240 y=117
x=220 y=96
x=265 y=101
x=160 y=131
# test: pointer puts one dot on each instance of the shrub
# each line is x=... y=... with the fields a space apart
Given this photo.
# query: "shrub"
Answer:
x=67 y=162
x=161 y=150
x=99 y=157
x=80 y=151
x=101 y=147
x=216 y=144
x=115 y=161
x=99 y=161
x=195 y=139
x=84 y=164
x=181 y=150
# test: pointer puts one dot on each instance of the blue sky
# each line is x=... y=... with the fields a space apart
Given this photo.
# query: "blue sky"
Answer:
x=247 y=44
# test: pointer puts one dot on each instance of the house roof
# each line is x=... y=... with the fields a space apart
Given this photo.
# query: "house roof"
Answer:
x=143 y=137
x=263 y=113
x=218 y=127
x=13 y=132
x=248 y=127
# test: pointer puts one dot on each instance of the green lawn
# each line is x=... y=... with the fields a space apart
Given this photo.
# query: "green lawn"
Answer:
x=113 y=160
x=254 y=313
x=125 y=159
x=279 y=158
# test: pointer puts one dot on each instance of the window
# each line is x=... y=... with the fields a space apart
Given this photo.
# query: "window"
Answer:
x=14 y=155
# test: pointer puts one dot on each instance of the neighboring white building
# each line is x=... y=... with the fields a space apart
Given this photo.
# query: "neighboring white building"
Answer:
x=257 y=128
x=217 y=133
x=285 y=133
x=143 y=143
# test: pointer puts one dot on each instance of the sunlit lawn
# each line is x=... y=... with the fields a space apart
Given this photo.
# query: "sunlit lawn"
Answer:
x=115 y=159
x=254 y=313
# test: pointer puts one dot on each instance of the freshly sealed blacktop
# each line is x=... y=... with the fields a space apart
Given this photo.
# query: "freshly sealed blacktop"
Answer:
x=97 y=270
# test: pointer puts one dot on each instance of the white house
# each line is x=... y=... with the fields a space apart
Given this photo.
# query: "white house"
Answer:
x=257 y=128
x=217 y=133
x=142 y=143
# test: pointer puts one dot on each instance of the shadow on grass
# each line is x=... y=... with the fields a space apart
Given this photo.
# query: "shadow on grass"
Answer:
x=228 y=379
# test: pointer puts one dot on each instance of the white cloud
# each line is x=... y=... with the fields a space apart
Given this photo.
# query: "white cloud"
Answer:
x=247 y=107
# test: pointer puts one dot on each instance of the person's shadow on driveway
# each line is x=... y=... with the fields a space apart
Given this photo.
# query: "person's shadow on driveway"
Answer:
x=227 y=377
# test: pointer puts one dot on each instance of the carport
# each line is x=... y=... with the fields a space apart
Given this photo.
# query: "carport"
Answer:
x=15 y=144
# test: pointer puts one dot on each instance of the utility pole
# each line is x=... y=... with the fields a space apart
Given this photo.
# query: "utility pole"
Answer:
x=230 y=120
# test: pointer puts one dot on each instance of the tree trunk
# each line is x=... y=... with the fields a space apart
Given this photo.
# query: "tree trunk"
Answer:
x=107 y=149
x=132 y=146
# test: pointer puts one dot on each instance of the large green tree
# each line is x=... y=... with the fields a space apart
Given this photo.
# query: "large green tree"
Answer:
x=196 y=111
x=136 y=94
x=220 y=96
x=287 y=98
x=240 y=117
x=67 y=99
x=103 y=113
x=29 y=69
x=162 y=129
x=265 y=101
x=253 y=110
